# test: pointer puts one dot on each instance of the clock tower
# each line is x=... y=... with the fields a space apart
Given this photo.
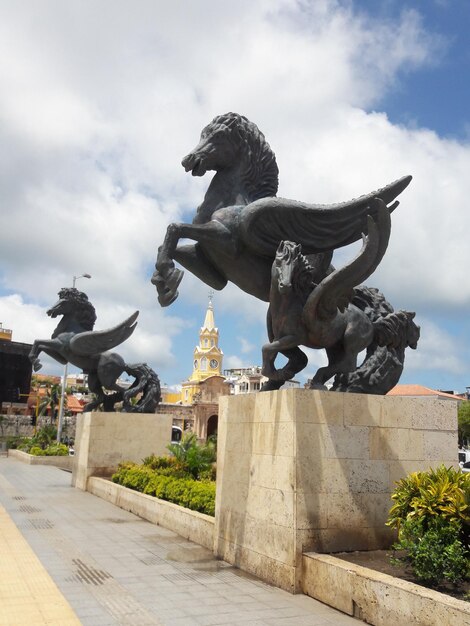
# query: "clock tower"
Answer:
x=207 y=361
x=207 y=356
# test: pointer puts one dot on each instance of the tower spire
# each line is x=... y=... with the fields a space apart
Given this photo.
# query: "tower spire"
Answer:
x=209 y=322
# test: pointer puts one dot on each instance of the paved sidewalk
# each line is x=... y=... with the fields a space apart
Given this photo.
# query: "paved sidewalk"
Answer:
x=114 y=568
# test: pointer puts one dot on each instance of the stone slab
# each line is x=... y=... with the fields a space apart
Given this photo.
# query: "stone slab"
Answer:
x=64 y=462
x=378 y=598
x=103 y=440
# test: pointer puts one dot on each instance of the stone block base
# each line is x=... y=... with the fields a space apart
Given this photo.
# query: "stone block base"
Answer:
x=103 y=440
x=377 y=598
x=301 y=470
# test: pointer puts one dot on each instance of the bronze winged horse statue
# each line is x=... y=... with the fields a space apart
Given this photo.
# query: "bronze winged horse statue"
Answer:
x=74 y=341
x=239 y=225
x=241 y=222
x=323 y=315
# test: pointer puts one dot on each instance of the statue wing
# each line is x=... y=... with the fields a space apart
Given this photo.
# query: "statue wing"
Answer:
x=97 y=341
x=336 y=290
x=318 y=228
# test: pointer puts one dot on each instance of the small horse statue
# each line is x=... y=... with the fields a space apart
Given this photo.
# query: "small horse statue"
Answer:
x=74 y=341
x=302 y=312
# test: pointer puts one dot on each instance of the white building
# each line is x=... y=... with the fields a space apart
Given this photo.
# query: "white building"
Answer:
x=250 y=379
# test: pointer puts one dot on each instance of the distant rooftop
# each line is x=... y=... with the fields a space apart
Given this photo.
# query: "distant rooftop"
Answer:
x=5 y=333
x=419 y=390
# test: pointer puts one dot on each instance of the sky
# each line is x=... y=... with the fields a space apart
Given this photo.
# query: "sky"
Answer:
x=99 y=101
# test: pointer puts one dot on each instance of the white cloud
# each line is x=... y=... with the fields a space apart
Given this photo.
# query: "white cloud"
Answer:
x=245 y=346
x=438 y=350
x=100 y=101
x=233 y=362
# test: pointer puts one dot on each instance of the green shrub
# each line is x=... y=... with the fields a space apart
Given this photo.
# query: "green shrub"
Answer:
x=193 y=457
x=36 y=451
x=202 y=498
x=208 y=474
x=166 y=466
x=31 y=446
x=56 y=449
x=45 y=436
x=14 y=442
x=133 y=476
x=431 y=514
x=26 y=446
x=157 y=486
x=187 y=492
x=442 y=492
x=160 y=462
x=435 y=553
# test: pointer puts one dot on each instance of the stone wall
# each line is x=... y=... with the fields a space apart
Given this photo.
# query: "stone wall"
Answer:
x=301 y=470
x=106 y=439
x=20 y=425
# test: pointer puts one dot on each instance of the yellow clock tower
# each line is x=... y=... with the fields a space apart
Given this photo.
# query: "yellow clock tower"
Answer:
x=207 y=356
x=207 y=359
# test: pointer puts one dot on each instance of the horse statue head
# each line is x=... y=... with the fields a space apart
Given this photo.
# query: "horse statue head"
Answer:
x=76 y=309
x=291 y=271
x=236 y=149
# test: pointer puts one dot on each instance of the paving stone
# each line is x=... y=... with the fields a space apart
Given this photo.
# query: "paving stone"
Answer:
x=113 y=568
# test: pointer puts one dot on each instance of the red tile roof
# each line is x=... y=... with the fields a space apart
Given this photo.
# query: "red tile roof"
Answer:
x=74 y=404
x=419 y=390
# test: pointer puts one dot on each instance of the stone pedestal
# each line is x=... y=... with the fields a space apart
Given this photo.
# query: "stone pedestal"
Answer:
x=302 y=470
x=103 y=440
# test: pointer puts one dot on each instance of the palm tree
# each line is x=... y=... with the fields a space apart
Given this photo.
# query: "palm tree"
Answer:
x=50 y=401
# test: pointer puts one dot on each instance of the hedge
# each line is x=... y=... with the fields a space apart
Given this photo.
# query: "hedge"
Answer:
x=187 y=492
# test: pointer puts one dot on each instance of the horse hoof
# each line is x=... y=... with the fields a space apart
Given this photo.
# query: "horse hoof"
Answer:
x=318 y=386
x=272 y=385
x=167 y=298
x=167 y=288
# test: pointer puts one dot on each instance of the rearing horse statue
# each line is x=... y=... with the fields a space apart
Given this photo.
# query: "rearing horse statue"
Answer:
x=239 y=225
x=74 y=341
x=241 y=222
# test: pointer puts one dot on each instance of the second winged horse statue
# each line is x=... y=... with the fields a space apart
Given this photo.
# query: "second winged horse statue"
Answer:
x=74 y=341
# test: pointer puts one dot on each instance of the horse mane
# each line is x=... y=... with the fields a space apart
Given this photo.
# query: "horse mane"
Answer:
x=397 y=329
x=84 y=310
x=259 y=174
x=304 y=283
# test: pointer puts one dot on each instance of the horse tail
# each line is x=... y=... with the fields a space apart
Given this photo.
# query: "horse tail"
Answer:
x=147 y=384
x=384 y=361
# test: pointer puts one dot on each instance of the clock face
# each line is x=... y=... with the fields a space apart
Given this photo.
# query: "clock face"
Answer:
x=214 y=363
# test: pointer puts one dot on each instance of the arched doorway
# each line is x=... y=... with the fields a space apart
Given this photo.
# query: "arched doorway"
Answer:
x=212 y=423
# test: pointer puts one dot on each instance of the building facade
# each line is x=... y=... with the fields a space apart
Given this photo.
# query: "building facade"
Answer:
x=15 y=372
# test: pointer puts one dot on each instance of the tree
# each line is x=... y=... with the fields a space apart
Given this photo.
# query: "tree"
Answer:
x=464 y=422
x=50 y=401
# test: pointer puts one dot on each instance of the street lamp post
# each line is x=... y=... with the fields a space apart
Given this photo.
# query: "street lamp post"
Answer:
x=64 y=381
x=75 y=278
